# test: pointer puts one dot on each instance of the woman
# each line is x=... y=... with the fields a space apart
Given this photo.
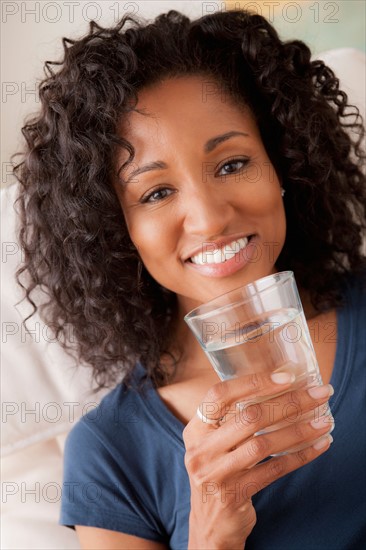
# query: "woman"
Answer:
x=154 y=143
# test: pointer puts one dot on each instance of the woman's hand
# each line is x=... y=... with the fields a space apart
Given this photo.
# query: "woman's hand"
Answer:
x=223 y=454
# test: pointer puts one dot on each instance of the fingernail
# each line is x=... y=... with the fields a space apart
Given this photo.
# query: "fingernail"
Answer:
x=323 y=442
x=282 y=377
x=319 y=392
x=322 y=422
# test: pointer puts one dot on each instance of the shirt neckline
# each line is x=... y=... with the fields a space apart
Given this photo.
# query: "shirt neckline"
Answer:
x=158 y=409
x=345 y=348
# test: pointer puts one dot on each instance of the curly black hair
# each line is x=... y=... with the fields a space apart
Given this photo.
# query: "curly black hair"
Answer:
x=75 y=240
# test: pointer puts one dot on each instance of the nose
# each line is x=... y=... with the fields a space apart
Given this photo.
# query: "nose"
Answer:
x=207 y=212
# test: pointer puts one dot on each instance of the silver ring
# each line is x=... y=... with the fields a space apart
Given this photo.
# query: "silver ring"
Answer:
x=206 y=420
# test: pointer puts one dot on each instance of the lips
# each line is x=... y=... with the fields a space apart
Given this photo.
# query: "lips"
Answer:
x=219 y=250
x=230 y=257
x=212 y=254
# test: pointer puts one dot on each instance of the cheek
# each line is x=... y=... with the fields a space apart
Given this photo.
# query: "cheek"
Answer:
x=263 y=201
x=268 y=212
x=151 y=237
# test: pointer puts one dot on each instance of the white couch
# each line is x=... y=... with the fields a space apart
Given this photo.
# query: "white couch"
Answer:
x=43 y=393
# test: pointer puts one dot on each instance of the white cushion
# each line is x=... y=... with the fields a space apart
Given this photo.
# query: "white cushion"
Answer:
x=31 y=482
x=43 y=392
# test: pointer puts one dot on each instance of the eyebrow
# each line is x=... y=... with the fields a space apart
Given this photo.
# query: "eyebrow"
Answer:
x=158 y=165
x=209 y=146
x=214 y=142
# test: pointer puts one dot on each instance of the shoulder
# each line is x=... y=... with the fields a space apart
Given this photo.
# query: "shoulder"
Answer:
x=114 y=468
x=100 y=458
x=108 y=424
x=351 y=318
x=354 y=295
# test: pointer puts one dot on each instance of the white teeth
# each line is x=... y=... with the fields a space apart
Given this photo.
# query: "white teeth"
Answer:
x=220 y=255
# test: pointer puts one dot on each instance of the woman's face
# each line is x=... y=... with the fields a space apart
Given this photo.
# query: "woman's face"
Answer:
x=204 y=209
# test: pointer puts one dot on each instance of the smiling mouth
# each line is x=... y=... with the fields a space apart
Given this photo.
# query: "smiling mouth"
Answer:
x=212 y=254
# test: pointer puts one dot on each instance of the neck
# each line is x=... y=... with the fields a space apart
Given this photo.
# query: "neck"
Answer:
x=309 y=309
x=190 y=358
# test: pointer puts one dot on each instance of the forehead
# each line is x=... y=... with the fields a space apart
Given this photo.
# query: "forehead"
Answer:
x=192 y=106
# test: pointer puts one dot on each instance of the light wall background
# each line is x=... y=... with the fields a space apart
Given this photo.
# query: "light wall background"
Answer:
x=322 y=24
x=31 y=33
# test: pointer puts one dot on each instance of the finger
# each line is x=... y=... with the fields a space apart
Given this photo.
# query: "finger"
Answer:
x=293 y=406
x=259 y=447
x=275 y=468
x=223 y=395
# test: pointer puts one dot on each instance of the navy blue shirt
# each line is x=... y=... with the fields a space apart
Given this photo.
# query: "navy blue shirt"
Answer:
x=124 y=465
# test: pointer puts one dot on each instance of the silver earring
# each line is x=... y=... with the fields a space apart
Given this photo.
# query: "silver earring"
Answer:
x=283 y=191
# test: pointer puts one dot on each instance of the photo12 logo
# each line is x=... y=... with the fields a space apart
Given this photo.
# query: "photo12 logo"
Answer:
x=53 y=12
x=288 y=12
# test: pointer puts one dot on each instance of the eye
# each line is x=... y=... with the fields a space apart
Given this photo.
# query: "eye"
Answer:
x=157 y=195
x=234 y=166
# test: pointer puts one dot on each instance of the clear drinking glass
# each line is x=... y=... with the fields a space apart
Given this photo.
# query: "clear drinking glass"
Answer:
x=259 y=327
